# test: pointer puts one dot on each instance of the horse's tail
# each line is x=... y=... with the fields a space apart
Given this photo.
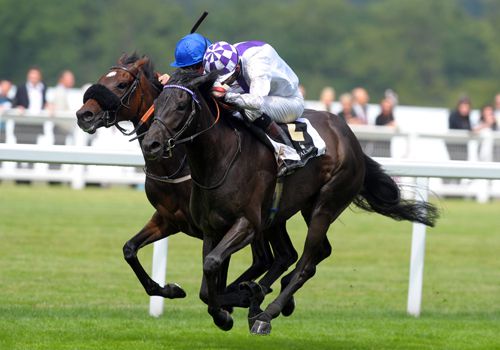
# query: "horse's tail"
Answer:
x=381 y=194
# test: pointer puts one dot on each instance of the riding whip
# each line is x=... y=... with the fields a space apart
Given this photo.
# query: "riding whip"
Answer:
x=197 y=24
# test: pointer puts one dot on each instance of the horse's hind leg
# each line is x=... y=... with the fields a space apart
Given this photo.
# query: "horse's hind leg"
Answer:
x=156 y=229
x=262 y=260
x=313 y=253
x=334 y=198
x=284 y=255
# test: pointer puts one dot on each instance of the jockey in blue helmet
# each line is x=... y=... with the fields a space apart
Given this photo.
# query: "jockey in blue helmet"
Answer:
x=189 y=53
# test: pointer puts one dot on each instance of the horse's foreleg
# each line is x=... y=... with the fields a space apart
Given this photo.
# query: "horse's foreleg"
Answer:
x=156 y=229
x=238 y=236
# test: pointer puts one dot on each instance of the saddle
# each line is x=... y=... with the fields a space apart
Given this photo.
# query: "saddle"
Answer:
x=305 y=141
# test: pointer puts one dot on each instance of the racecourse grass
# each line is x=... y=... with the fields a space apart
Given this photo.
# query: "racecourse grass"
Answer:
x=65 y=285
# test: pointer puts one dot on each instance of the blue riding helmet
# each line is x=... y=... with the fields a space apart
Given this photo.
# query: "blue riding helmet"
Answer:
x=190 y=50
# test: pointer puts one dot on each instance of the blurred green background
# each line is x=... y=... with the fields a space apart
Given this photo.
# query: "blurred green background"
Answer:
x=430 y=52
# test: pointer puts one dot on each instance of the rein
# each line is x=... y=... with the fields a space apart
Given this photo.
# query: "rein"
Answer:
x=170 y=178
x=174 y=140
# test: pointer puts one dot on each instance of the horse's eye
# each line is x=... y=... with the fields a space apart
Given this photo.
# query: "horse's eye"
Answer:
x=182 y=106
x=122 y=86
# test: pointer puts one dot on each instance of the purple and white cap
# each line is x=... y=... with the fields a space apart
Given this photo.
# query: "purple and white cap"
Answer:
x=221 y=56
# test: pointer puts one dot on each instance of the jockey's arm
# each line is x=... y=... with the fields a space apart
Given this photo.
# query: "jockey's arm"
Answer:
x=260 y=86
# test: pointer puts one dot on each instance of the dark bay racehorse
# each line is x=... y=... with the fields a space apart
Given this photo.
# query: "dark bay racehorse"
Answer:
x=222 y=151
x=124 y=94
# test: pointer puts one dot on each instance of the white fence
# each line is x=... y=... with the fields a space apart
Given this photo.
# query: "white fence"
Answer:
x=409 y=141
x=45 y=129
x=79 y=155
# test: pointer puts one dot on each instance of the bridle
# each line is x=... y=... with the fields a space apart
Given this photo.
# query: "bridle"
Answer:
x=110 y=115
x=195 y=105
x=175 y=140
x=125 y=99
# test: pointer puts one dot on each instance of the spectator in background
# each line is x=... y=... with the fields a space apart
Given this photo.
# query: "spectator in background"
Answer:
x=392 y=97
x=58 y=98
x=5 y=88
x=487 y=120
x=32 y=95
x=302 y=90
x=497 y=106
x=460 y=118
x=327 y=97
x=347 y=113
x=360 y=104
x=386 y=117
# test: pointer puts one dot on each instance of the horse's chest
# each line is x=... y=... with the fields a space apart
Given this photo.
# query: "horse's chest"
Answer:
x=212 y=220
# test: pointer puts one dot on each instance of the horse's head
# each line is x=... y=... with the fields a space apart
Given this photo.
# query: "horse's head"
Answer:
x=176 y=110
x=121 y=94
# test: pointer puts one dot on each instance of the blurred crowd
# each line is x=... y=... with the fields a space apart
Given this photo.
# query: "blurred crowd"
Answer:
x=34 y=95
x=353 y=108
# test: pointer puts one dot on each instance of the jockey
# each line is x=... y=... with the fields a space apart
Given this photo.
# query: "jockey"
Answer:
x=255 y=78
x=189 y=54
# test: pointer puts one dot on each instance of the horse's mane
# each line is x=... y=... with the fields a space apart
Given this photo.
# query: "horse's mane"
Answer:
x=147 y=68
x=185 y=77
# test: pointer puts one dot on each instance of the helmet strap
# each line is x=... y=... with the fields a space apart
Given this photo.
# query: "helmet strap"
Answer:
x=233 y=77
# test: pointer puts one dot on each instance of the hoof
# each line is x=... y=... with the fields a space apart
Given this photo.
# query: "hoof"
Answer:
x=289 y=307
x=173 y=291
x=223 y=320
x=261 y=328
x=228 y=308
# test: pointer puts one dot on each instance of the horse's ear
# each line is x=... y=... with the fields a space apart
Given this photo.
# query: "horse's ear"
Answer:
x=122 y=59
x=141 y=61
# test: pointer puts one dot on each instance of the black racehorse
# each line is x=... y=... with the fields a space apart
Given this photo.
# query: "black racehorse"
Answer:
x=234 y=175
x=125 y=93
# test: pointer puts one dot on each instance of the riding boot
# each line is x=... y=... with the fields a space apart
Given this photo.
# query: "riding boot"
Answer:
x=273 y=130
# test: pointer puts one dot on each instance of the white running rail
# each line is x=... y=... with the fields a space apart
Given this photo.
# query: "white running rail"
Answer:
x=421 y=170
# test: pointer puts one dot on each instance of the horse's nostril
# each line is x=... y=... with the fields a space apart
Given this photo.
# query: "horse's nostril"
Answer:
x=85 y=115
x=155 y=146
x=152 y=150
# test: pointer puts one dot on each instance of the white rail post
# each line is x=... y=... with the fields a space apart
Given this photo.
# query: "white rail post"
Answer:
x=417 y=255
x=10 y=138
x=160 y=252
x=486 y=150
x=78 y=171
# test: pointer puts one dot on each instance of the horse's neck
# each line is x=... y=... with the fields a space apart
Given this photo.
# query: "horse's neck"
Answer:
x=210 y=153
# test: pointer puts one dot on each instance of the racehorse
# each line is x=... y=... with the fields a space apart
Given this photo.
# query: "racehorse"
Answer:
x=124 y=94
x=234 y=176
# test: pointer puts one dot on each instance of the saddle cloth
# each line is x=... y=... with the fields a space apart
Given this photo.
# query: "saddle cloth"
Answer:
x=306 y=142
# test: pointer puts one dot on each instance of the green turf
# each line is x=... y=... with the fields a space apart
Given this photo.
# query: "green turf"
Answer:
x=65 y=285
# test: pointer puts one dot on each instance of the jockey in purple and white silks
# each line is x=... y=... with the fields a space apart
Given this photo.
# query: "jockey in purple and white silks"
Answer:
x=256 y=79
